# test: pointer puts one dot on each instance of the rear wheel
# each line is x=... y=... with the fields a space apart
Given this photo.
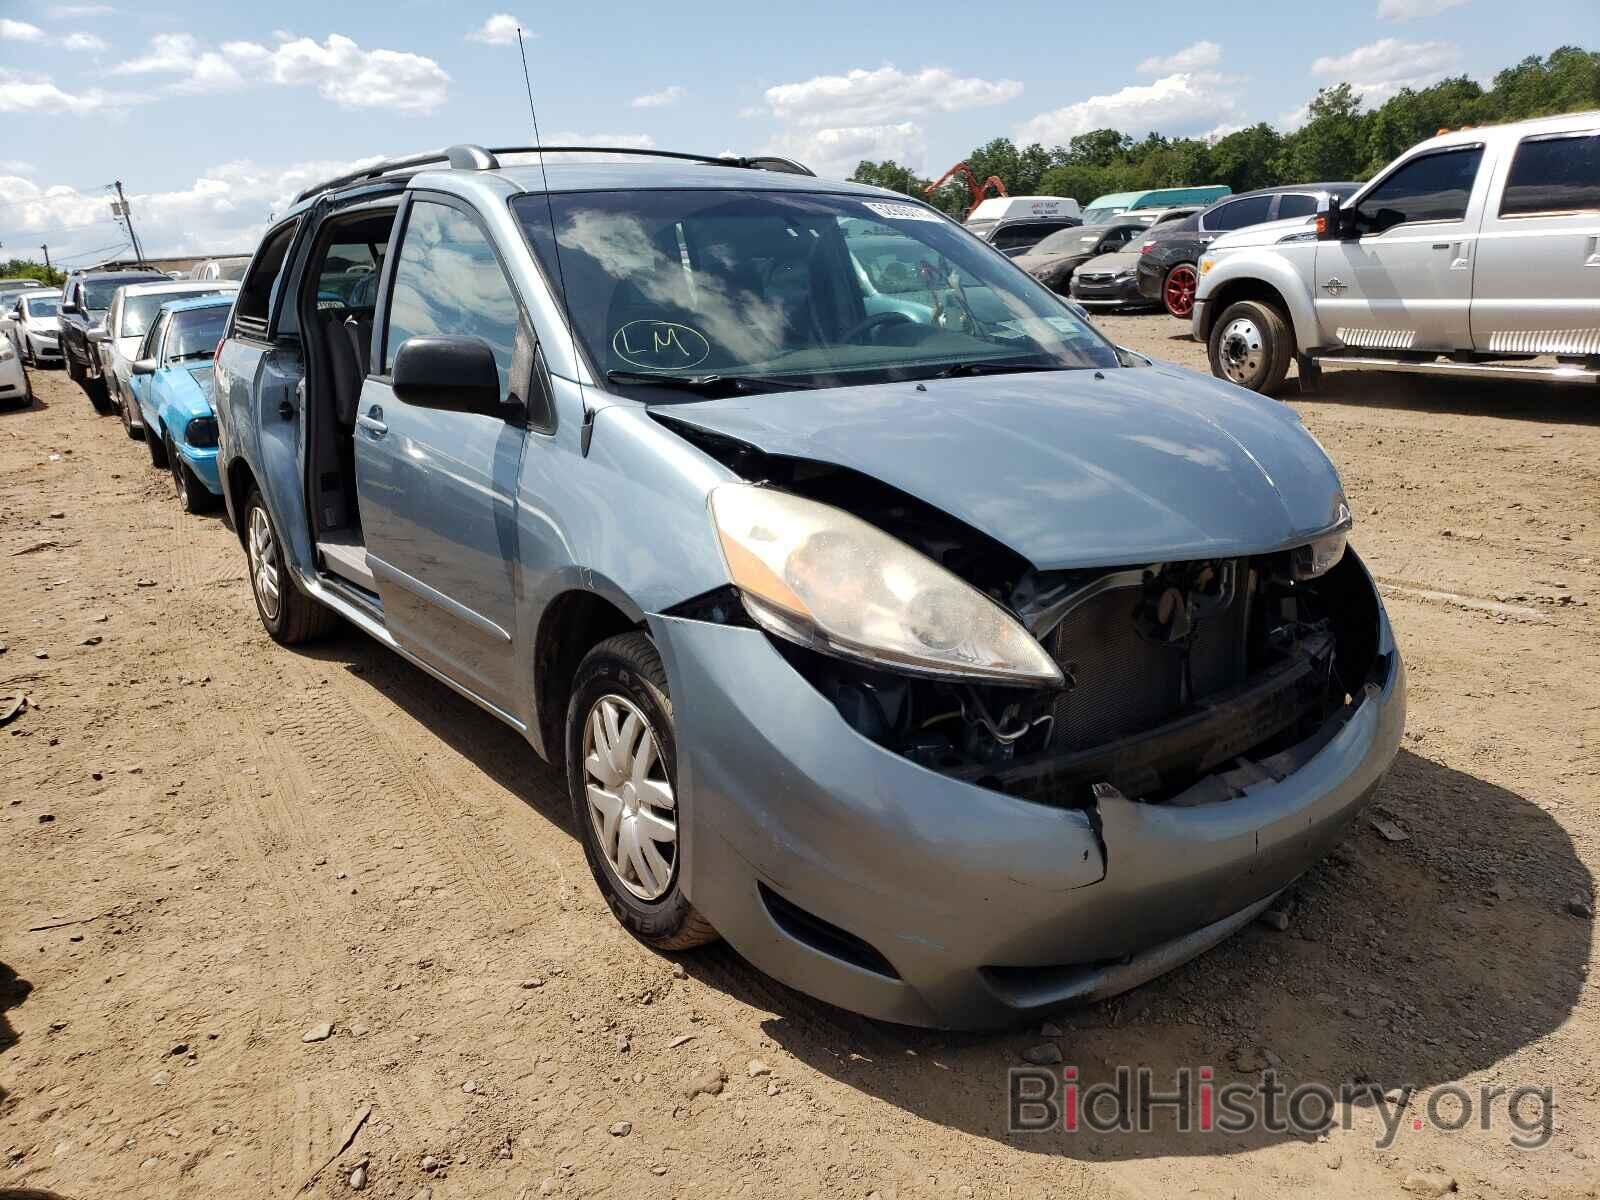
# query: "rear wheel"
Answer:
x=1251 y=346
x=289 y=615
x=1177 y=292
x=622 y=777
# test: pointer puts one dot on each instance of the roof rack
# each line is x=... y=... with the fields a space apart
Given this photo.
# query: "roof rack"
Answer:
x=468 y=157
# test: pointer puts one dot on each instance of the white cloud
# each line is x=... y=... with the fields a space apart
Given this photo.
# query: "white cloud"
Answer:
x=498 y=30
x=339 y=69
x=1194 y=57
x=37 y=93
x=1380 y=69
x=864 y=98
x=222 y=210
x=1180 y=103
x=84 y=41
x=666 y=96
x=833 y=153
x=1412 y=10
x=19 y=31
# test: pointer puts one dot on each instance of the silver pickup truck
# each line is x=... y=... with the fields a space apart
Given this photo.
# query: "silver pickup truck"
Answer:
x=1474 y=253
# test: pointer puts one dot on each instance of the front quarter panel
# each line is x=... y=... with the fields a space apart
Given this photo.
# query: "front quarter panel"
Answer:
x=1287 y=270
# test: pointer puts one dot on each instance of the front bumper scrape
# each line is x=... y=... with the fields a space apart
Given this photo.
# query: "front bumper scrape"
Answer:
x=988 y=908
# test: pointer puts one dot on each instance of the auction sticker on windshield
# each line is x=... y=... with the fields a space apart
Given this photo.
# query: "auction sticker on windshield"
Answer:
x=902 y=212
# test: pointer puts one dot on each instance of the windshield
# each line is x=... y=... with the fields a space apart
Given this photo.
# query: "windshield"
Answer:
x=194 y=334
x=139 y=312
x=44 y=306
x=1101 y=216
x=97 y=293
x=797 y=289
x=1069 y=241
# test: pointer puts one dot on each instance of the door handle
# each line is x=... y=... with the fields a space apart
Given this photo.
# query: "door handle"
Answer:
x=372 y=421
x=1441 y=245
x=1594 y=253
x=286 y=410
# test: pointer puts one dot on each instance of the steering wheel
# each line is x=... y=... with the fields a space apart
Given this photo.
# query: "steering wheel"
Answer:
x=876 y=320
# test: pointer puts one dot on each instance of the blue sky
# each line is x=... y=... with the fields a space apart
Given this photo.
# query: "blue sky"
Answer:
x=213 y=115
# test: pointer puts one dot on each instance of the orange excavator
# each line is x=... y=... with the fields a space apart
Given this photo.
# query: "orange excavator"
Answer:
x=974 y=188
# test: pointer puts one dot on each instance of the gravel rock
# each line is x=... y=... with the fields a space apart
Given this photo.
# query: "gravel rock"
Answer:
x=318 y=1033
x=1429 y=1183
x=1388 y=830
x=1042 y=1055
x=1580 y=907
x=679 y=971
x=1050 y=1030
x=358 y=1177
x=470 y=1087
x=708 y=1082
x=622 y=1129
x=757 y=1068
x=623 y=1045
x=1275 y=918
x=535 y=982
x=548 y=1186
x=430 y=1164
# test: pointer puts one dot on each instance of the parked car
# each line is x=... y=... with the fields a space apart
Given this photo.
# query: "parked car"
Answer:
x=33 y=327
x=220 y=268
x=1471 y=254
x=170 y=386
x=1116 y=204
x=1108 y=280
x=85 y=301
x=952 y=668
x=1168 y=258
x=1012 y=224
x=16 y=391
x=133 y=311
x=1054 y=259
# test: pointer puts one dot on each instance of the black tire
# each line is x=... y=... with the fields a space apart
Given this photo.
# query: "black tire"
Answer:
x=99 y=395
x=28 y=360
x=193 y=495
x=298 y=618
x=124 y=401
x=1251 y=345
x=157 y=448
x=628 y=666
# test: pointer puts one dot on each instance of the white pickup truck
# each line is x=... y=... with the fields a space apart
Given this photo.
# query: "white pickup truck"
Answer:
x=1474 y=253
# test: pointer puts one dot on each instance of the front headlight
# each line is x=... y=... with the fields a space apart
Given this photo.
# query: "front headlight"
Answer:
x=1323 y=553
x=6 y=352
x=1123 y=275
x=820 y=577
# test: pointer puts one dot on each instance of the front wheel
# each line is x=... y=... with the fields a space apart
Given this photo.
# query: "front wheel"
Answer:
x=622 y=777
x=193 y=495
x=1251 y=346
x=1177 y=291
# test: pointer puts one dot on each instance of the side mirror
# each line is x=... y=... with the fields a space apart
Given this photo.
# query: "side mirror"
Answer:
x=70 y=309
x=1329 y=220
x=146 y=366
x=454 y=374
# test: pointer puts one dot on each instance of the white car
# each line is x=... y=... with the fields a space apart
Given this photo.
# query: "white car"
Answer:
x=14 y=388
x=133 y=311
x=33 y=327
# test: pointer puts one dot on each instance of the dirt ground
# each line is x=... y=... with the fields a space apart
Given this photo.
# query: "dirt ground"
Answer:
x=210 y=845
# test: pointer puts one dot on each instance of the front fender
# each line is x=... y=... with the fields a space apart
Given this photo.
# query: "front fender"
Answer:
x=1248 y=272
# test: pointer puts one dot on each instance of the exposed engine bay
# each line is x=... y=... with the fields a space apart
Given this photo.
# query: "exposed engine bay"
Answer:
x=1180 y=678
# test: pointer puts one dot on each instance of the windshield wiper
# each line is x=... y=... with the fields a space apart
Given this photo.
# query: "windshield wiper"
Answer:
x=711 y=386
x=993 y=368
x=191 y=354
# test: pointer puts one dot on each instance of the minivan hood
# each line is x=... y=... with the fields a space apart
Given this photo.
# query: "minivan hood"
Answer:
x=1068 y=468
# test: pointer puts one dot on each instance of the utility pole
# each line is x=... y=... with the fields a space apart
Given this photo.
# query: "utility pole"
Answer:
x=46 y=250
x=127 y=215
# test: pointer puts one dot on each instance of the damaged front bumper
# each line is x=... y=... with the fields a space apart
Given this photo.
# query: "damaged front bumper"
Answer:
x=853 y=874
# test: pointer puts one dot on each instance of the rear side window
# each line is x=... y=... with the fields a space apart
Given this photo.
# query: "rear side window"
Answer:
x=448 y=280
x=1009 y=237
x=1252 y=210
x=1554 y=174
x=1434 y=187
x=254 y=305
x=1296 y=204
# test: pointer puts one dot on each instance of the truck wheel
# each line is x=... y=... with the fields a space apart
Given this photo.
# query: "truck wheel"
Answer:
x=290 y=616
x=1177 y=291
x=1251 y=346
x=622 y=777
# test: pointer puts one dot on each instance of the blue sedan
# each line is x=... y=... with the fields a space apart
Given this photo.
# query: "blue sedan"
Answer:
x=171 y=382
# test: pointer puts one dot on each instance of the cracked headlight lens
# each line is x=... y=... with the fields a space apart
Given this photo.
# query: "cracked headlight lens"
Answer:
x=816 y=575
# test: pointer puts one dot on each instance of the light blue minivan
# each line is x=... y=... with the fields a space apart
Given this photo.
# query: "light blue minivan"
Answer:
x=889 y=622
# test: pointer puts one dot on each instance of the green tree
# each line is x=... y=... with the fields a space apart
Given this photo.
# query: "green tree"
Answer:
x=27 y=268
x=890 y=175
x=1098 y=148
x=1244 y=159
x=1329 y=145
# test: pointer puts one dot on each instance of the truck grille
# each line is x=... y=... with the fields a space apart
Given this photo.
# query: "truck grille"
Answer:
x=1125 y=682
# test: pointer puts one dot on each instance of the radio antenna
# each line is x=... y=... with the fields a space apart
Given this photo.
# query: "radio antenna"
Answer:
x=555 y=241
